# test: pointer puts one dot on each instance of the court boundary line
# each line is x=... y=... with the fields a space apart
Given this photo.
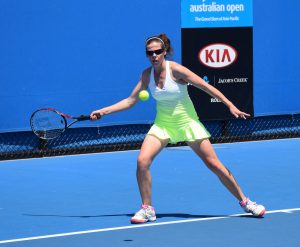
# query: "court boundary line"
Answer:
x=288 y=211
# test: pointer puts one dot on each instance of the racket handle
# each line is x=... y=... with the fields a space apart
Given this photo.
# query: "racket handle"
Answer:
x=83 y=118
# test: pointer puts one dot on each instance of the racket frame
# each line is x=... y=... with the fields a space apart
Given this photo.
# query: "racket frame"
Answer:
x=64 y=118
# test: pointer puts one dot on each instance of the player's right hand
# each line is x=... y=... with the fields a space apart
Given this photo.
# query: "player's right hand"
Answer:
x=95 y=115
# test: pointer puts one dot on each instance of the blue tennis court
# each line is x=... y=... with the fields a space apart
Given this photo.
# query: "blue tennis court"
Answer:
x=93 y=58
x=87 y=200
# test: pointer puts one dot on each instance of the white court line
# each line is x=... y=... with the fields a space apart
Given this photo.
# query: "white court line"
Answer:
x=290 y=210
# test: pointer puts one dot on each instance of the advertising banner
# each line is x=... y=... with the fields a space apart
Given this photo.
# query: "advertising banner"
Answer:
x=217 y=45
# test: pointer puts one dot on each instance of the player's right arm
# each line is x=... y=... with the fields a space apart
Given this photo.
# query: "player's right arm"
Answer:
x=126 y=103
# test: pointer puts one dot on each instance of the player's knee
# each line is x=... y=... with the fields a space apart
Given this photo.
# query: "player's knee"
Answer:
x=143 y=162
x=213 y=163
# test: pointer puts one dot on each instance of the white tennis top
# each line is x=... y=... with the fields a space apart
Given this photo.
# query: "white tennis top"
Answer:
x=171 y=91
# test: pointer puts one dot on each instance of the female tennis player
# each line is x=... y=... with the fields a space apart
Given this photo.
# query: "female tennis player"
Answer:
x=176 y=121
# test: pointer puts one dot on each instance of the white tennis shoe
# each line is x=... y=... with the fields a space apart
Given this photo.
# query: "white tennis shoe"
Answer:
x=147 y=213
x=252 y=207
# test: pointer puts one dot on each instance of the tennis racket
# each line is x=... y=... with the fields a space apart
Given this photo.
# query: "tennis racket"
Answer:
x=48 y=123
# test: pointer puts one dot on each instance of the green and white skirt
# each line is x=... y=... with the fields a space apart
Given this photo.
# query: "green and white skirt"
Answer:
x=178 y=123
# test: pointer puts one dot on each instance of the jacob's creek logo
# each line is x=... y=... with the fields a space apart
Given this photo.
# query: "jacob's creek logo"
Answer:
x=232 y=80
x=217 y=55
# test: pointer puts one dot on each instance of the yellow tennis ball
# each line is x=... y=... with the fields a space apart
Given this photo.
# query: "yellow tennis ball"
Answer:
x=144 y=95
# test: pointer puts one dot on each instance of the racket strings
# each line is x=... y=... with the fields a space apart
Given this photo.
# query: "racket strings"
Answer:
x=47 y=124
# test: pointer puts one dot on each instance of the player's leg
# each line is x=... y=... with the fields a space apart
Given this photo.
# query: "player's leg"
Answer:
x=150 y=148
x=206 y=152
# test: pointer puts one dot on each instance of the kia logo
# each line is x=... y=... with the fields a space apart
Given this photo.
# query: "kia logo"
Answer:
x=217 y=55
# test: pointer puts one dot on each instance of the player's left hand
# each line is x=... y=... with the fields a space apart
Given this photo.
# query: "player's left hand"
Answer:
x=237 y=113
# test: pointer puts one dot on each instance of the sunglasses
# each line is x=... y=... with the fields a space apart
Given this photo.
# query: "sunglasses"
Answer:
x=157 y=52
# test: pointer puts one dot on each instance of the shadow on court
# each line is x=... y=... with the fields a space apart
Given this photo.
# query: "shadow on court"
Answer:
x=158 y=216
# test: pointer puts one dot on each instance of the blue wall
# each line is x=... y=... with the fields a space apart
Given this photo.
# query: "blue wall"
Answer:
x=78 y=56
x=276 y=57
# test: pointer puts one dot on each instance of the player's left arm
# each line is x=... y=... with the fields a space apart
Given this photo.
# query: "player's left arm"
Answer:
x=184 y=74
